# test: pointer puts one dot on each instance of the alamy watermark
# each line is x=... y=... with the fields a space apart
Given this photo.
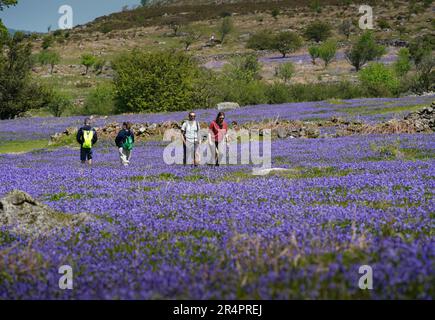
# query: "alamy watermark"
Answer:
x=366 y=280
x=366 y=21
x=66 y=20
x=235 y=147
x=66 y=280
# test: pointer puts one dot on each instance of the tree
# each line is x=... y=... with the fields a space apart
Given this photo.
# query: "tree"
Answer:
x=286 y=42
x=327 y=51
x=7 y=3
x=261 y=40
x=318 y=31
x=190 y=37
x=155 y=82
x=18 y=92
x=48 y=57
x=225 y=28
x=364 y=50
x=88 y=60
x=285 y=71
x=47 y=42
x=3 y=30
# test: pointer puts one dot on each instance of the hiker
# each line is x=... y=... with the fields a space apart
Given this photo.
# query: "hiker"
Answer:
x=190 y=133
x=87 y=138
x=125 y=143
x=217 y=133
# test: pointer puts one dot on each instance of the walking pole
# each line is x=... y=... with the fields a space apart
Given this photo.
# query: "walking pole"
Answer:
x=194 y=151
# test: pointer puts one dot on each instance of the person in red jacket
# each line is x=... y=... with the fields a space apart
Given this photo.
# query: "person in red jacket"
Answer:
x=218 y=132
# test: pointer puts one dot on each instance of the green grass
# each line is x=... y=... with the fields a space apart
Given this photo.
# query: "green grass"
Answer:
x=364 y=110
x=22 y=146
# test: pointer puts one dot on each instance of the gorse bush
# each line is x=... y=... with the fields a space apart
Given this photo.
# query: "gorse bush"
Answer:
x=101 y=100
x=155 y=82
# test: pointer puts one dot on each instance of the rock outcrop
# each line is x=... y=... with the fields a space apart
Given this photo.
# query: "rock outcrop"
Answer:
x=26 y=216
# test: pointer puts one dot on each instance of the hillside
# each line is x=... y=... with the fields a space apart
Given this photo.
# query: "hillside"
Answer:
x=163 y=27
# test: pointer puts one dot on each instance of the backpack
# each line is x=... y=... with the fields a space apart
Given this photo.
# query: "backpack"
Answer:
x=128 y=143
x=87 y=139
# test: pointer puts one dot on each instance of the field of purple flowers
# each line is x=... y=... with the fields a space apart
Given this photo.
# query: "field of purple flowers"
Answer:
x=170 y=232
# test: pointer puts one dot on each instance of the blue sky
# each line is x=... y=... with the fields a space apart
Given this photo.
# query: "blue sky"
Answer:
x=37 y=15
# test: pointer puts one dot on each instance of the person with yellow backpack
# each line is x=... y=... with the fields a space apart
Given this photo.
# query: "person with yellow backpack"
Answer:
x=87 y=138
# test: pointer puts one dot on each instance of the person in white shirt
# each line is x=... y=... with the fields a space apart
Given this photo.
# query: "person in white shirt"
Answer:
x=190 y=132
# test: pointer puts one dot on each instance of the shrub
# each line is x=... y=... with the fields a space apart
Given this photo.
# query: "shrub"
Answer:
x=384 y=24
x=286 y=42
x=245 y=68
x=275 y=13
x=261 y=40
x=59 y=102
x=100 y=100
x=99 y=65
x=277 y=93
x=154 y=82
x=379 y=80
x=364 y=50
x=403 y=62
x=225 y=14
x=318 y=31
x=314 y=53
x=285 y=71
x=242 y=92
x=316 y=6
x=327 y=51
x=424 y=80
